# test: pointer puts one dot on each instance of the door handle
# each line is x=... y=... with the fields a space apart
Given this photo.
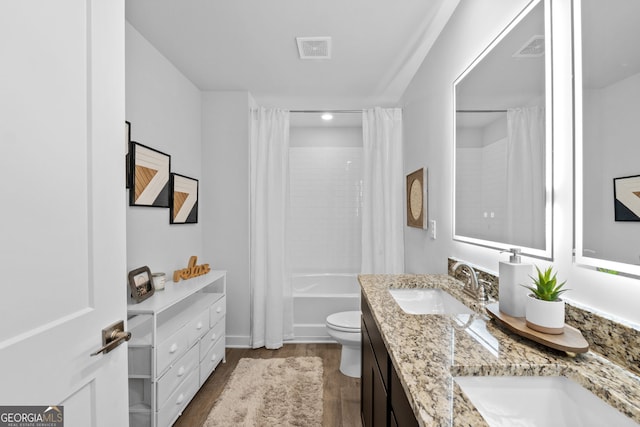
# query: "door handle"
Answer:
x=113 y=336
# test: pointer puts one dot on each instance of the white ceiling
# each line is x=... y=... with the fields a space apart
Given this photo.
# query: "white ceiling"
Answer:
x=500 y=81
x=250 y=45
x=611 y=31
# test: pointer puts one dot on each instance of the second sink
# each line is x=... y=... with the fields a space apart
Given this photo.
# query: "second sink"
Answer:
x=539 y=401
x=427 y=301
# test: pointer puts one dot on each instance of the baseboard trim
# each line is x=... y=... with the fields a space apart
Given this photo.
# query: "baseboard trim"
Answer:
x=238 y=341
x=242 y=341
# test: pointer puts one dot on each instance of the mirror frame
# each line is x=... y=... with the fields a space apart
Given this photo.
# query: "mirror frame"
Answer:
x=578 y=252
x=547 y=252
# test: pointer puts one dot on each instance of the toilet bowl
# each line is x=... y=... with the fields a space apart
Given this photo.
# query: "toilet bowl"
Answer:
x=344 y=327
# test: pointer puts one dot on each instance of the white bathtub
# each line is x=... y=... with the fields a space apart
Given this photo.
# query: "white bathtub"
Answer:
x=315 y=296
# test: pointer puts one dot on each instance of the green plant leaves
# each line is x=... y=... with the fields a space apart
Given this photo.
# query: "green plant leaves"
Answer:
x=546 y=285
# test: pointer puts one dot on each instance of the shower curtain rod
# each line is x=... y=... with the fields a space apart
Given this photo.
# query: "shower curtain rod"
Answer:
x=481 y=111
x=325 y=111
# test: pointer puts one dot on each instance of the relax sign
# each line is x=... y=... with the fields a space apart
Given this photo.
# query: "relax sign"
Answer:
x=191 y=271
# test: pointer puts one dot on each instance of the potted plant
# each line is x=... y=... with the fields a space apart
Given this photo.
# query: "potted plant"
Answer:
x=544 y=309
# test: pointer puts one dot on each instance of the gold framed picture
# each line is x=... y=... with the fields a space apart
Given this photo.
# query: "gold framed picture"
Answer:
x=417 y=199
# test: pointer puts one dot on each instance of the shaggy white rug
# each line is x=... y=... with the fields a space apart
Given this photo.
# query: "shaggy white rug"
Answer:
x=271 y=392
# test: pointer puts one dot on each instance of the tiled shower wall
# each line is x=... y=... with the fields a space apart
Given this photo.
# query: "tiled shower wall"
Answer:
x=326 y=197
x=481 y=191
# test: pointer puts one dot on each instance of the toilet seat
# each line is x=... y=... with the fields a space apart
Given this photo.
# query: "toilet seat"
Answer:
x=346 y=321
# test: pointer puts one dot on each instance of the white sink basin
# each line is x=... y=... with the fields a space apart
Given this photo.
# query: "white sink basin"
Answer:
x=539 y=401
x=428 y=301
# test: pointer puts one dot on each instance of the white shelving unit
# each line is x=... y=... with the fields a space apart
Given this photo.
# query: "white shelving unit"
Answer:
x=177 y=341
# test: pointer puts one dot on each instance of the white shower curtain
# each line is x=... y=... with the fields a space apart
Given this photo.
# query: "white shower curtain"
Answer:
x=383 y=189
x=525 y=176
x=271 y=295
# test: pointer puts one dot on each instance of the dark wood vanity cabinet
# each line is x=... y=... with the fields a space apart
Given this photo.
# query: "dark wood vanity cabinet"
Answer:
x=383 y=400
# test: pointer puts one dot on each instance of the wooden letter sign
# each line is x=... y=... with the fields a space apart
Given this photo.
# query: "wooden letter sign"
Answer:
x=191 y=271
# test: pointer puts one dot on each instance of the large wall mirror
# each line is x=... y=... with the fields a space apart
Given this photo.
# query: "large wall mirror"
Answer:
x=502 y=161
x=607 y=132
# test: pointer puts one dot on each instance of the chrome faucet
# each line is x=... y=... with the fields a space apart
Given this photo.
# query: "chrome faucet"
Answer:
x=472 y=287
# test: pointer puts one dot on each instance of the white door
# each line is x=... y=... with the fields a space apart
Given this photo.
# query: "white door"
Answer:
x=62 y=207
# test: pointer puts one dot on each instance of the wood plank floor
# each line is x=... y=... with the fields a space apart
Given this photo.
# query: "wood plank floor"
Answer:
x=341 y=393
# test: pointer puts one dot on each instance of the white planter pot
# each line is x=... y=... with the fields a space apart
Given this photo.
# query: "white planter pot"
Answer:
x=545 y=316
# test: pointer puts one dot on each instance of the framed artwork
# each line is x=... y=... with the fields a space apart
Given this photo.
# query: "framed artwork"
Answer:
x=127 y=141
x=140 y=284
x=149 y=174
x=417 y=199
x=184 y=200
x=626 y=198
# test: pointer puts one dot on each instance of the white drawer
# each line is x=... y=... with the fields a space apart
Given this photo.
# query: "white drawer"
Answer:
x=212 y=336
x=218 y=309
x=197 y=327
x=178 y=400
x=170 y=350
x=211 y=360
x=174 y=376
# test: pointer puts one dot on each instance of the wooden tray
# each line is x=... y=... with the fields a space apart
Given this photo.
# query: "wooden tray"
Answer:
x=570 y=341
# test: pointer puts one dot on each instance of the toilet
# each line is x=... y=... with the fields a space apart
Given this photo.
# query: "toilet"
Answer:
x=344 y=327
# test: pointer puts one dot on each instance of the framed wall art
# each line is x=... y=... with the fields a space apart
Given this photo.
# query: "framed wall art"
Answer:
x=127 y=142
x=184 y=200
x=626 y=198
x=140 y=284
x=417 y=199
x=149 y=174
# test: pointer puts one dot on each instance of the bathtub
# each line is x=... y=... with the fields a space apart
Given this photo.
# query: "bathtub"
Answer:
x=315 y=296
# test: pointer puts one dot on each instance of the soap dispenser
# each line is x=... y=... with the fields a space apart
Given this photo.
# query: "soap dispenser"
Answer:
x=511 y=276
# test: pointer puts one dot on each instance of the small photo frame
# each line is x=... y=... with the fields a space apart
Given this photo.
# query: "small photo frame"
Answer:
x=184 y=200
x=417 y=199
x=626 y=198
x=140 y=284
x=149 y=173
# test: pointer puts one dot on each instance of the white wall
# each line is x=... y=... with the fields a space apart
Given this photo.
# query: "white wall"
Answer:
x=611 y=129
x=428 y=130
x=309 y=136
x=225 y=202
x=164 y=109
x=428 y=121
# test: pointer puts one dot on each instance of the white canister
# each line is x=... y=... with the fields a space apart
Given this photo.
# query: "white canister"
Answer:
x=545 y=316
x=158 y=280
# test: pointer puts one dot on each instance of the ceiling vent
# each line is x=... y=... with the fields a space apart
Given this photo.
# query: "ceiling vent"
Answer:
x=314 y=47
x=533 y=48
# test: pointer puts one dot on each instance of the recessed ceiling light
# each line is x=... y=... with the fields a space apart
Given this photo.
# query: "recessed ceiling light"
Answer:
x=327 y=116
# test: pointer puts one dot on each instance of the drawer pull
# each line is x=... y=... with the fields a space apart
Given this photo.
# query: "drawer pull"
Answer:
x=213 y=337
x=173 y=348
x=199 y=326
x=180 y=399
x=181 y=371
x=219 y=309
x=214 y=357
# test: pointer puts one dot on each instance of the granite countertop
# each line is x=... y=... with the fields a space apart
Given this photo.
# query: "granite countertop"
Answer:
x=429 y=350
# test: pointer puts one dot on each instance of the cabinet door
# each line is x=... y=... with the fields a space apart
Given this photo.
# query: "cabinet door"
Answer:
x=366 y=384
x=392 y=419
x=379 y=349
x=379 y=400
x=400 y=406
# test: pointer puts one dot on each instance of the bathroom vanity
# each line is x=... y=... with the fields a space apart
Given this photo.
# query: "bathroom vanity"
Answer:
x=382 y=397
x=416 y=359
